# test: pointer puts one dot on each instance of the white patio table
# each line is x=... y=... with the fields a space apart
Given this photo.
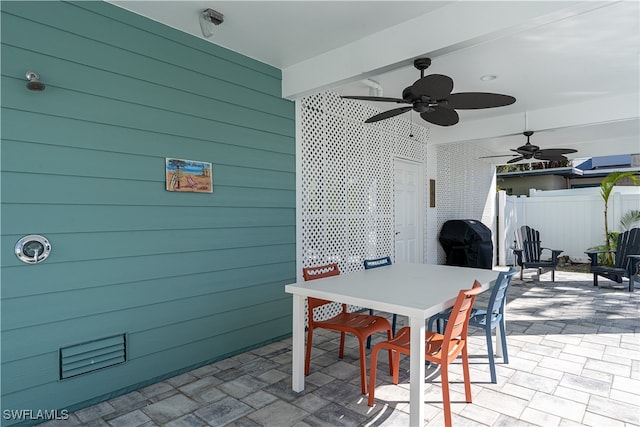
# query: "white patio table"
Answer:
x=417 y=291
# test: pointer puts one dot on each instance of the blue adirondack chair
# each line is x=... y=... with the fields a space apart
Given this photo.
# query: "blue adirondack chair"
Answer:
x=626 y=260
x=529 y=251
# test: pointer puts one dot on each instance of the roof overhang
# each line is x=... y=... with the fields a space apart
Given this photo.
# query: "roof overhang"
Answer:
x=568 y=172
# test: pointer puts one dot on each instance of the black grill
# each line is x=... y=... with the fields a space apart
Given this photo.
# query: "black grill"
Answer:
x=467 y=243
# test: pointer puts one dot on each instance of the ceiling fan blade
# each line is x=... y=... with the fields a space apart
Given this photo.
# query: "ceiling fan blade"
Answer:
x=435 y=86
x=549 y=158
x=527 y=154
x=477 y=100
x=441 y=116
x=387 y=114
x=377 y=98
x=498 y=155
x=553 y=152
x=517 y=159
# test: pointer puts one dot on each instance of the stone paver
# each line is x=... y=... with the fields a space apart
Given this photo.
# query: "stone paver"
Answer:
x=223 y=411
x=574 y=360
x=130 y=419
x=169 y=409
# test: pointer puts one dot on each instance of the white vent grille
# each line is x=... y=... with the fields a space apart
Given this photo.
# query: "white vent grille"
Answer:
x=93 y=355
x=347 y=175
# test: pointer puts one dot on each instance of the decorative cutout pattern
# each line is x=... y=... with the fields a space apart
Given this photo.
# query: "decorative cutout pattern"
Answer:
x=466 y=187
x=347 y=174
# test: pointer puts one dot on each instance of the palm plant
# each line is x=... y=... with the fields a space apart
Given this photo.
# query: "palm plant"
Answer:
x=606 y=187
x=629 y=220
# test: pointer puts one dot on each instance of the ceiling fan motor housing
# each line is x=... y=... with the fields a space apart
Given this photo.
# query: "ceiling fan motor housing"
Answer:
x=422 y=63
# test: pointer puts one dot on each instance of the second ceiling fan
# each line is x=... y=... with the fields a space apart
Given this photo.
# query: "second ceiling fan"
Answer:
x=529 y=151
x=431 y=97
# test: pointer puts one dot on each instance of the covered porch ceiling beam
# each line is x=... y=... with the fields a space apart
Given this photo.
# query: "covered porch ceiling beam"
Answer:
x=453 y=27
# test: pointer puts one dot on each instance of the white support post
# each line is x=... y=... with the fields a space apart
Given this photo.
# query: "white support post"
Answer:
x=297 y=344
x=416 y=397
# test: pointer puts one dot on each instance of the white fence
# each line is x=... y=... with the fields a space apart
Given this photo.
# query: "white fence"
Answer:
x=570 y=220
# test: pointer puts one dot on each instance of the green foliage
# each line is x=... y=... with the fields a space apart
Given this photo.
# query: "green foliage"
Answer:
x=610 y=181
x=630 y=220
x=613 y=238
x=606 y=187
x=522 y=167
x=606 y=257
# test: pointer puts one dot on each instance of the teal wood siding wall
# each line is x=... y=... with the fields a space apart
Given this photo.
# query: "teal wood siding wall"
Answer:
x=189 y=278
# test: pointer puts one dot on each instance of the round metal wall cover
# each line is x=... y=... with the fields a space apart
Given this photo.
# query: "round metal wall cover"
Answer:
x=32 y=249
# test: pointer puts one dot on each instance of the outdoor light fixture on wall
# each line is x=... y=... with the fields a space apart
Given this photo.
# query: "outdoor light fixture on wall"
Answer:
x=209 y=18
x=32 y=249
x=34 y=82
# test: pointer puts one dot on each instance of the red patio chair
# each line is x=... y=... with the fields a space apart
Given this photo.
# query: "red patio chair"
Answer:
x=360 y=325
x=440 y=349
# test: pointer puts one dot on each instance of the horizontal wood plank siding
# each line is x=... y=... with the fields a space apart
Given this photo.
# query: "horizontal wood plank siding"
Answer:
x=55 y=393
x=189 y=278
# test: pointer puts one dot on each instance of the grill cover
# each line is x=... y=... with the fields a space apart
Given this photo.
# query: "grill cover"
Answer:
x=467 y=243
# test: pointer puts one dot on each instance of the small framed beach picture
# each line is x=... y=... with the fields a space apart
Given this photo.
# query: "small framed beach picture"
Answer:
x=188 y=176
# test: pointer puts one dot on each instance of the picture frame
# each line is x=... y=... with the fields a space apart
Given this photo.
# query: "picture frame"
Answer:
x=188 y=176
x=432 y=193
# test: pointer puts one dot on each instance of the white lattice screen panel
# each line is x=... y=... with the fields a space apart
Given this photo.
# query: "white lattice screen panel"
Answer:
x=466 y=186
x=347 y=175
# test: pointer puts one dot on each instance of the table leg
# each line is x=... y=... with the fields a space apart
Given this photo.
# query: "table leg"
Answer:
x=416 y=385
x=297 y=344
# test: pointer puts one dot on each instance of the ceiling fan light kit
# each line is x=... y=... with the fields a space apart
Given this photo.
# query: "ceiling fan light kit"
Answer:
x=431 y=97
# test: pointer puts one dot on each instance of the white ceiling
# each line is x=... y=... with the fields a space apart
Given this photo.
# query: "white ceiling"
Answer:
x=574 y=67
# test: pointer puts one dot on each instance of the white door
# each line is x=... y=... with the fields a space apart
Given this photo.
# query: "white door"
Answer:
x=408 y=211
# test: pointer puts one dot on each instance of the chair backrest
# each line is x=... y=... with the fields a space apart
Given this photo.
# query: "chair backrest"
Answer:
x=628 y=244
x=458 y=322
x=499 y=291
x=528 y=239
x=320 y=271
x=378 y=262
